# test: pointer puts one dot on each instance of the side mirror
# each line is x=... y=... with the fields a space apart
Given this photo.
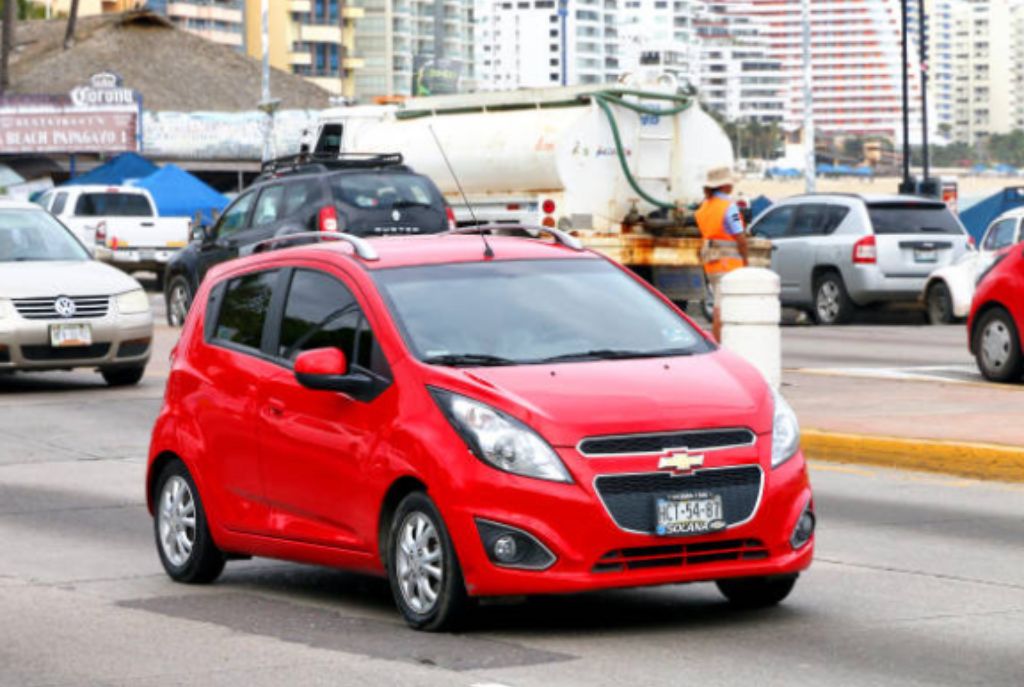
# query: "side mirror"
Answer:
x=327 y=369
x=201 y=234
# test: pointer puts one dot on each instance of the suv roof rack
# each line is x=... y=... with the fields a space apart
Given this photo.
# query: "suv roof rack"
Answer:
x=362 y=249
x=324 y=162
x=531 y=231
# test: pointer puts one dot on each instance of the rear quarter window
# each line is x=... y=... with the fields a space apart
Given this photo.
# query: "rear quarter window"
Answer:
x=243 y=309
x=913 y=218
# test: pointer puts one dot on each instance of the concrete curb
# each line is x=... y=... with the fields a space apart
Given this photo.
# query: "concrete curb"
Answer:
x=981 y=461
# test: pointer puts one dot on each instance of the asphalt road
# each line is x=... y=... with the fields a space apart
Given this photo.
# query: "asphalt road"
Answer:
x=919 y=580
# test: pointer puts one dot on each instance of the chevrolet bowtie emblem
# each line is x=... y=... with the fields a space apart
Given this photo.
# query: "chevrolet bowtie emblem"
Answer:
x=680 y=461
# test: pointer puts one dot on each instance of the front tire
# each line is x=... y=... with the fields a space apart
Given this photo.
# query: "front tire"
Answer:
x=940 y=303
x=183 y=539
x=178 y=298
x=757 y=592
x=423 y=570
x=832 y=305
x=123 y=376
x=997 y=347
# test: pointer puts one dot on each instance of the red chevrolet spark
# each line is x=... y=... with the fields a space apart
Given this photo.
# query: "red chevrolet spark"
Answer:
x=527 y=419
x=997 y=318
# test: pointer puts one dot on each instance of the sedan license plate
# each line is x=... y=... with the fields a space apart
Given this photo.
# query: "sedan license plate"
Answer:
x=67 y=335
x=925 y=255
x=689 y=513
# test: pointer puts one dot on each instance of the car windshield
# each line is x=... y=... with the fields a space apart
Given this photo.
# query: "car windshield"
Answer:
x=913 y=218
x=34 y=235
x=532 y=311
x=384 y=191
x=112 y=204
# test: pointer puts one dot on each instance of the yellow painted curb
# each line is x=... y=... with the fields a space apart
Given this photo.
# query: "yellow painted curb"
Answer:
x=981 y=461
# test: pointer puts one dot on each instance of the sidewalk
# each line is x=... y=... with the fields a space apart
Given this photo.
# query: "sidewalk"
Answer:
x=975 y=430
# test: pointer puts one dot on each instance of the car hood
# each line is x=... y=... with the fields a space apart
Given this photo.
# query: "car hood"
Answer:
x=44 y=278
x=568 y=402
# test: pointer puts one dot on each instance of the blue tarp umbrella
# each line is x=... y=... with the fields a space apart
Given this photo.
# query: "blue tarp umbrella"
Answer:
x=116 y=171
x=977 y=218
x=179 y=194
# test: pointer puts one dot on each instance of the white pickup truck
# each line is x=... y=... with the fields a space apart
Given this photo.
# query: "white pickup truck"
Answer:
x=119 y=224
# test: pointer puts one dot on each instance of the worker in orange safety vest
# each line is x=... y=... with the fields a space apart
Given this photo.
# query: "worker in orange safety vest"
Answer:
x=721 y=226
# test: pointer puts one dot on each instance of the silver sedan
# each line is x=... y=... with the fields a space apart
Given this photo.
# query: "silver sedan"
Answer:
x=61 y=309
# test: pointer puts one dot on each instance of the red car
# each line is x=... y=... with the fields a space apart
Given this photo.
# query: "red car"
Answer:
x=529 y=418
x=997 y=318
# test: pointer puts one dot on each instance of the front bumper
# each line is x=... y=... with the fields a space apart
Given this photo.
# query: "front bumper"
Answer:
x=118 y=341
x=594 y=552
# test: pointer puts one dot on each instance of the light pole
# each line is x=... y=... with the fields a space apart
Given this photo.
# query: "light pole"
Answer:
x=810 y=159
x=907 y=185
x=267 y=104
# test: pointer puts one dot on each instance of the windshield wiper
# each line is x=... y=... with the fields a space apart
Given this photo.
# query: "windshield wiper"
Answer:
x=469 y=360
x=615 y=354
x=410 y=204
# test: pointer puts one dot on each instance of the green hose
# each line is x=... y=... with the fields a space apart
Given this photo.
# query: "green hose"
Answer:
x=605 y=99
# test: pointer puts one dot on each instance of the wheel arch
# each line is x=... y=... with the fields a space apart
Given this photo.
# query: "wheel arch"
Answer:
x=162 y=460
x=399 y=489
x=984 y=310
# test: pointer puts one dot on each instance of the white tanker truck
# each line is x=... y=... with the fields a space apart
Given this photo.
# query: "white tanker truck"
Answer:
x=615 y=164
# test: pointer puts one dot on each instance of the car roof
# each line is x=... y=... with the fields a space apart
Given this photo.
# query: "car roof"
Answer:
x=412 y=251
x=1013 y=213
x=101 y=188
x=869 y=198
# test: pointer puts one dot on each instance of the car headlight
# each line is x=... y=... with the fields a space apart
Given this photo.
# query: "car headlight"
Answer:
x=785 y=431
x=133 y=302
x=499 y=440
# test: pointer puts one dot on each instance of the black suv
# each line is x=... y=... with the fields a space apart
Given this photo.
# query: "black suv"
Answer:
x=365 y=195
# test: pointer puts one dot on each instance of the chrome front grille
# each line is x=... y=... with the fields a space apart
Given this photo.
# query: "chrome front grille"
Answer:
x=660 y=442
x=46 y=308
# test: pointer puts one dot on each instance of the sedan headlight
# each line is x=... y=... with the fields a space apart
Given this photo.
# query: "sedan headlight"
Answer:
x=785 y=431
x=133 y=302
x=500 y=440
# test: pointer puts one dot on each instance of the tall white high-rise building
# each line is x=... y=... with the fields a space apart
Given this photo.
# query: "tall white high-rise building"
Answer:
x=855 y=64
x=985 y=102
x=737 y=76
x=660 y=33
x=534 y=43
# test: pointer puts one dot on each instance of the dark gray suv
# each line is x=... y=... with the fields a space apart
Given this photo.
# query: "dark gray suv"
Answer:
x=837 y=252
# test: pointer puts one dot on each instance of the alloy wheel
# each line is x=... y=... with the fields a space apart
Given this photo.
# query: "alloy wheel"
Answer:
x=828 y=301
x=419 y=562
x=176 y=519
x=178 y=304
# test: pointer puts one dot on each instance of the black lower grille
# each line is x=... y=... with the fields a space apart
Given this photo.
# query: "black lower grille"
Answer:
x=680 y=554
x=97 y=350
x=631 y=499
x=131 y=349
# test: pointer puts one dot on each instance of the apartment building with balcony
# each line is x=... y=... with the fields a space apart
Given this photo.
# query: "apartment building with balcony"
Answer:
x=855 y=64
x=221 y=21
x=536 y=43
x=736 y=75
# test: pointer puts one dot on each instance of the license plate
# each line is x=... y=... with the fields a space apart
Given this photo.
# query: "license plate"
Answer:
x=67 y=335
x=147 y=255
x=925 y=255
x=689 y=513
x=126 y=255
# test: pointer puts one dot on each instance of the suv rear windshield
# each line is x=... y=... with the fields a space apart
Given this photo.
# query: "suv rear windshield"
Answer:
x=113 y=205
x=532 y=311
x=913 y=218
x=385 y=191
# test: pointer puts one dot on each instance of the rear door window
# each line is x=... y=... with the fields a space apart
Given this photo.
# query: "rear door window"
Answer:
x=1000 y=235
x=913 y=218
x=299 y=194
x=243 y=310
x=385 y=191
x=774 y=224
x=113 y=205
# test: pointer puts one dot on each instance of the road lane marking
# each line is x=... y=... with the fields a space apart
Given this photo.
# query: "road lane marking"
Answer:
x=964 y=375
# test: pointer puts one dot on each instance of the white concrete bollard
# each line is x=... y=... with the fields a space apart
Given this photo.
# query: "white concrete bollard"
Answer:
x=751 y=311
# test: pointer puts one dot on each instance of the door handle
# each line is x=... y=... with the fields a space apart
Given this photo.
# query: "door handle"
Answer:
x=147 y=224
x=275 y=407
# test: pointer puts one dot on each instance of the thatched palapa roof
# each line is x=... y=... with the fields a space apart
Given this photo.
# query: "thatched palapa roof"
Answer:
x=173 y=69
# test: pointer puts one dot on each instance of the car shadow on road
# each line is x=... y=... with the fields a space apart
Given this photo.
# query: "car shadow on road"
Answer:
x=49 y=382
x=670 y=607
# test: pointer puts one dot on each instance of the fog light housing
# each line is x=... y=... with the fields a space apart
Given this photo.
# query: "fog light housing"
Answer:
x=804 y=528
x=511 y=547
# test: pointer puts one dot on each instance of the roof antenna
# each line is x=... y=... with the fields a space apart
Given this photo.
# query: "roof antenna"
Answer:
x=488 y=253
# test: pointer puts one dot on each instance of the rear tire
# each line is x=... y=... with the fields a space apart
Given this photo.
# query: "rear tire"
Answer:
x=832 y=305
x=940 y=303
x=183 y=539
x=423 y=570
x=123 y=376
x=757 y=592
x=997 y=347
x=178 y=298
